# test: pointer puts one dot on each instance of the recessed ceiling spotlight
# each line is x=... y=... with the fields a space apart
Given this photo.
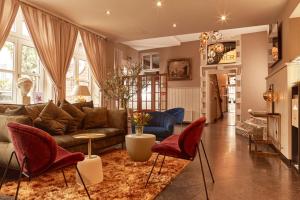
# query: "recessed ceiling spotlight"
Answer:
x=159 y=3
x=107 y=12
x=174 y=25
x=223 y=18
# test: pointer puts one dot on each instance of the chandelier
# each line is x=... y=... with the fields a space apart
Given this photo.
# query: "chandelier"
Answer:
x=206 y=37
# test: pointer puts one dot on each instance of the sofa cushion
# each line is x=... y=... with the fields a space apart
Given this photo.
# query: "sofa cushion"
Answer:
x=95 y=117
x=34 y=110
x=72 y=110
x=55 y=120
x=3 y=107
x=5 y=119
x=80 y=105
x=69 y=141
x=16 y=111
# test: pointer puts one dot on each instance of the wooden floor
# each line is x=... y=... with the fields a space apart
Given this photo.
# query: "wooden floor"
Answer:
x=239 y=175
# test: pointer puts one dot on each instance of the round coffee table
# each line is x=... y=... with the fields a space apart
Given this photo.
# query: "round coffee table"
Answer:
x=139 y=147
x=91 y=167
x=89 y=136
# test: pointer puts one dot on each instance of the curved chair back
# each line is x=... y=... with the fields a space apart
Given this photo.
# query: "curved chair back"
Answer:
x=191 y=136
x=37 y=146
x=178 y=113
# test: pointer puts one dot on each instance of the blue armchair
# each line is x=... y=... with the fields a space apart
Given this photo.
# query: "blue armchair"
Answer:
x=161 y=125
x=178 y=113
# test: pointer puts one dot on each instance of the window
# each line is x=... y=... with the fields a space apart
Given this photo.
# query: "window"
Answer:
x=18 y=57
x=150 y=62
x=79 y=74
x=7 y=66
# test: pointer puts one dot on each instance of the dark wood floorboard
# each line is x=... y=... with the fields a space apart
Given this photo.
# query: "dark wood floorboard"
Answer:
x=239 y=175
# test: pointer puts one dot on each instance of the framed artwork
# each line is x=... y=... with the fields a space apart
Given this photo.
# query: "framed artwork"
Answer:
x=221 y=53
x=275 y=43
x=179 y=69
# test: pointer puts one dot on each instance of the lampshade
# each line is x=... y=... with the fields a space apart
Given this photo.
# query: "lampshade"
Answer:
x=81 y=90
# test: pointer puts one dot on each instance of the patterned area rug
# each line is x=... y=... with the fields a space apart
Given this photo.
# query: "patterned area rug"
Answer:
x=123 y=179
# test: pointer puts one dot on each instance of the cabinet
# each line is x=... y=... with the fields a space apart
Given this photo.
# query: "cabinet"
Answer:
x=295 y=126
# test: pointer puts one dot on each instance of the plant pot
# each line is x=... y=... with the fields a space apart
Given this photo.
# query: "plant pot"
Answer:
x=139 y=130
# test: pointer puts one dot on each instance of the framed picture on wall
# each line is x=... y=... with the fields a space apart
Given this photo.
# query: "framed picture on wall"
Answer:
x=179 y=69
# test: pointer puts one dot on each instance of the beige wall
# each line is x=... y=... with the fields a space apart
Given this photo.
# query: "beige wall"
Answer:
x=128 y=52
x=254 y=71
x=290 y=34
x=185 y=50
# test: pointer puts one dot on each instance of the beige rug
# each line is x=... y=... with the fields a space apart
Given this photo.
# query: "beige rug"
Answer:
x=123 y=179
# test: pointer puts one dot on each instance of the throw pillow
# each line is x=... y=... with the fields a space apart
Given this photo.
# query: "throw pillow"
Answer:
x=80 y=105
x=72 y=110
x=34 y=110
x=55 y=120
x=17 y=111
x=95 y=118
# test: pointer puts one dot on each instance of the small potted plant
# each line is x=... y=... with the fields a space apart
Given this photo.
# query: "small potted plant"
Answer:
x=140 y=119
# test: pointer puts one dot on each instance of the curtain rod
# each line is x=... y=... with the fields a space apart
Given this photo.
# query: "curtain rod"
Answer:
x=61 y=18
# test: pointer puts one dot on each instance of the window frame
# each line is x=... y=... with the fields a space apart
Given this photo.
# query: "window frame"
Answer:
x=19 y=40
x=151 y=54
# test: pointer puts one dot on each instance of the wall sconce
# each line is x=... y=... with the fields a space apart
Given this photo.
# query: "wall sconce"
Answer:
x=269 y=96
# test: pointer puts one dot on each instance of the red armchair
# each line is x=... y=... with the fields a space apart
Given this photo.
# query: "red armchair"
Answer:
x=183 y=146
x=37 y=153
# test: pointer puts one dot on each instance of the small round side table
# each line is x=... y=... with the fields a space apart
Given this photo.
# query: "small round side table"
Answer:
x=91 y=167
x=139 y=146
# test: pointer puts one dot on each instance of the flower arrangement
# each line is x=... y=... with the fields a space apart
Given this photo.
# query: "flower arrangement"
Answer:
x=141 y=119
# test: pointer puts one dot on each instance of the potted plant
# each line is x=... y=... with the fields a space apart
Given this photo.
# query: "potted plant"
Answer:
x=140 y=119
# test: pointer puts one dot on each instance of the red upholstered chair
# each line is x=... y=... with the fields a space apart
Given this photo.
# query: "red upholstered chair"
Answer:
x=37 y=153
x=183 y=146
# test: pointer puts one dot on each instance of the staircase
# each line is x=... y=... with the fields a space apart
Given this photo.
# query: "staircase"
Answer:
x=255 y=125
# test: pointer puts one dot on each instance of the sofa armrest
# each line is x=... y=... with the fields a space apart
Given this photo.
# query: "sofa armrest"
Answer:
x=117 y=119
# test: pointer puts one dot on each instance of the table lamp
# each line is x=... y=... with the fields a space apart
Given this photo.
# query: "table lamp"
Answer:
x=81 y=91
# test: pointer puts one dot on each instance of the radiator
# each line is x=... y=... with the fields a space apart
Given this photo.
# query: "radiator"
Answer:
x=187 y=98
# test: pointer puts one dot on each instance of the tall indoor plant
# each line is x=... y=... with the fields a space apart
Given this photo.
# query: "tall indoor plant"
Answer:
x=117 y=85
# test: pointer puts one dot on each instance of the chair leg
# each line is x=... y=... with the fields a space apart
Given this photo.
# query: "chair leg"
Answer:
x=20 y=177
x=162 y=164
x=203 y=176
x=87 y=192
x=6 y=169
x=211 y=174
x=151 y=170
x=62 y=170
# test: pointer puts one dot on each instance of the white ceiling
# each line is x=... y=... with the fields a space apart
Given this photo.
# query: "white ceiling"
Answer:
x=296 y=12
x=160 y=42
x=140 y=19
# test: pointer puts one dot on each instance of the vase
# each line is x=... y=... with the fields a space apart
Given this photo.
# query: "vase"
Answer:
x=139 y=130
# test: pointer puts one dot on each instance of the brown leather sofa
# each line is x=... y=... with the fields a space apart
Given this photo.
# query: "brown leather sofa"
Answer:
x=114 y=134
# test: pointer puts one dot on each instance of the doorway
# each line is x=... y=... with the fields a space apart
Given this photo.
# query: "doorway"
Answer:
x=221 y=96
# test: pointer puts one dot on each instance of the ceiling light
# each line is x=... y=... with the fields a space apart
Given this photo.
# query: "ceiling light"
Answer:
x=107 y=12
x=174 y=25
x=223 y=18
x=158 y=3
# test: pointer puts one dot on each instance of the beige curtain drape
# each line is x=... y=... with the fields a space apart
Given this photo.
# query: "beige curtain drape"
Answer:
x=8 y=12
x=95 y=48
x=55 y=41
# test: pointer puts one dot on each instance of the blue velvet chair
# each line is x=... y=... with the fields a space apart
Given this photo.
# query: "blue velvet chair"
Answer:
x=161 y=125
x=178 y=113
